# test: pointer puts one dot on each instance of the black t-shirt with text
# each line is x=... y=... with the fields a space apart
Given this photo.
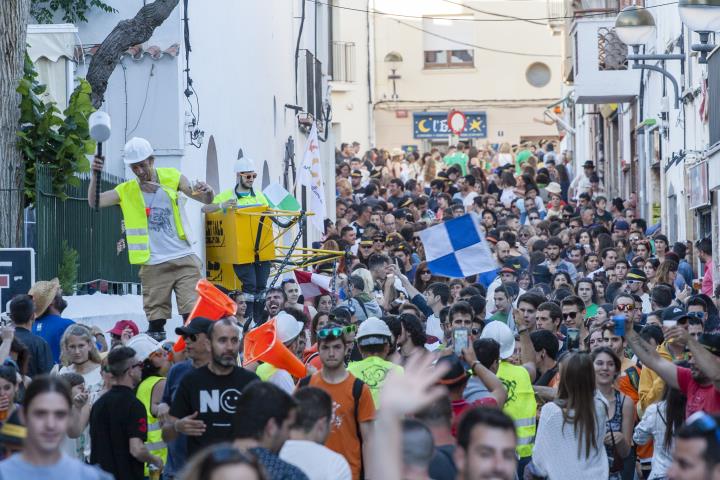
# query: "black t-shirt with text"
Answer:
x=214 y=398
x=115 y=418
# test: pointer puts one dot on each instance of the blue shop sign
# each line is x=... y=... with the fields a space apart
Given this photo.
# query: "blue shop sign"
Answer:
x=434 y=125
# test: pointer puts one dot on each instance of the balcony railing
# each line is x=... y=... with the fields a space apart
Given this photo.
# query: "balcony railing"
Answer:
x=343 y=61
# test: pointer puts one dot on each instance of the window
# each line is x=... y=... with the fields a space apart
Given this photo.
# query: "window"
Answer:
x=538 y=74
x=446 y=40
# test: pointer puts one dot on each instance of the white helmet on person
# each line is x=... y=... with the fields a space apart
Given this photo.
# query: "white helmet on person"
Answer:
x=502 y=334
x=373 y=331
x=287 y=327
x=136 y=150
x=144 y=346
x=244 y=164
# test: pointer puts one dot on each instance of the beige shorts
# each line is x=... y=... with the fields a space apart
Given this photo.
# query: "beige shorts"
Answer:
x=160 y=281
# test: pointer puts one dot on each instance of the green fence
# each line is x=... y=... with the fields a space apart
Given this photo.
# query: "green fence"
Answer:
x=95 y=235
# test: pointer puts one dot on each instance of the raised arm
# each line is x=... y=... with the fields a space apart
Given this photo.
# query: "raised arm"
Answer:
x=489 y=379
x=705 y=360
x=202 y=193
x=107 y=198
x=650 y=358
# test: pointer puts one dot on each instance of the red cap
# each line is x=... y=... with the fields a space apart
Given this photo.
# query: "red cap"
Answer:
x=122 y=325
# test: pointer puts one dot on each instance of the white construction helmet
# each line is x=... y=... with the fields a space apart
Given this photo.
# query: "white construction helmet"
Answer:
x=144 y=345
x=287 y=327
x=136 y=150
x=244 y=164
x=502 y=334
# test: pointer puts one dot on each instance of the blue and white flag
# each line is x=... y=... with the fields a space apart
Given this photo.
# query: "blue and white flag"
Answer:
x=457 y=248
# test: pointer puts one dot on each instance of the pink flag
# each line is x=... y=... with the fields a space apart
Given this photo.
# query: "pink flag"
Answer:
x=312 y=284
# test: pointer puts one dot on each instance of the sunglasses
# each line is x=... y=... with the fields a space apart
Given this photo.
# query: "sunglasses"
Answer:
x=365 y=246
x=625 y=308
x=335 y=332
x=189 y=336
x=633 y=282
x=570 y=315
x=425 y=272
x=248 y=176
x=378 y=241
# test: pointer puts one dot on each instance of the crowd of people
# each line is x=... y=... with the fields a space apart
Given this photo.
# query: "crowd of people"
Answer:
x=591 y=352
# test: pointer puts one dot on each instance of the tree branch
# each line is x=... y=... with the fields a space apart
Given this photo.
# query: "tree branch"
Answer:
x=125 y=34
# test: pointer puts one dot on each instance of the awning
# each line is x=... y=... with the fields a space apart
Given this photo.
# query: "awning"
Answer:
x=51 y=41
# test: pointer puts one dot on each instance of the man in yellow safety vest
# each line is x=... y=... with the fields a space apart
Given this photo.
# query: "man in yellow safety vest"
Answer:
x=154 y=231
x=254 y=276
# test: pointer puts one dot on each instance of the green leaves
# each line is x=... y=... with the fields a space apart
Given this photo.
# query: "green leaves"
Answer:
x=73 y=11
x=47 y=136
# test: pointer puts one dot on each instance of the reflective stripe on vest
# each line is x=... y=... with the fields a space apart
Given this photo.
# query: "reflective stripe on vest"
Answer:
x=521 y=405
x=132 y=205
x=154 y=442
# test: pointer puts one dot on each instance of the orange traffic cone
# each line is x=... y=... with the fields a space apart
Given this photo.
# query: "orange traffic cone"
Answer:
x=262 y=344
x=211 y=304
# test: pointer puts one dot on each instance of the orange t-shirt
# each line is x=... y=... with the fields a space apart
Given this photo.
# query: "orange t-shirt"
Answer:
x=344 y=437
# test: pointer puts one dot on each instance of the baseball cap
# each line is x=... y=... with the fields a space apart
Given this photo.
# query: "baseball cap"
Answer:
x=674 y=313
x=197 y=325
x=636 y=274
x=121 y=325
x=356 y=173
x=371 y=330
x=622 y=225
x=136 y=150
x=711 y=342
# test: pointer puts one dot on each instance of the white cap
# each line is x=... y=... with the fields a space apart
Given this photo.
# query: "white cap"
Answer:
x=136 y=150
x=144 y=345
x=244 y=164
x=287 y=327
x=502 y=334
x=373 y=327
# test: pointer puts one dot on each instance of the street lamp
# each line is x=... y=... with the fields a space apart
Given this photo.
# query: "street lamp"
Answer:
x=703 y=17
x=394 y=59
x=635 y=26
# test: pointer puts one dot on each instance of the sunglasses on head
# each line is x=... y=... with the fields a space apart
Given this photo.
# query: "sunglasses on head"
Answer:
x=335 y=332
x=625 y=308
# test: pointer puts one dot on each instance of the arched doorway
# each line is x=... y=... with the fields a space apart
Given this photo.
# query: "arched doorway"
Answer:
x=212 y=176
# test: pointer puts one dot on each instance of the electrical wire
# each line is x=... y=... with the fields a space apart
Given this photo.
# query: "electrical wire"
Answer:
x=481 y=20
x=142 y=110
x=479 y=47
x=494 y=14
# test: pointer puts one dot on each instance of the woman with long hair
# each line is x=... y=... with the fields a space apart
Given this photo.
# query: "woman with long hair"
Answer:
x=621 y=410
x=504 y=156
x=667 y=272
x=429 y=172
x=424 y=277
x=507 y=184
x=658 y=424
x=323 y=303
x=564 y=178
x=562 y=279
x=591 y=262
x=650 y=268
x=78 y=354
x=569 y=440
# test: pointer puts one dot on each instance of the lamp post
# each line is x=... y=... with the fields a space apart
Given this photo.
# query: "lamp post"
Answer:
x=635 y=26
x=703 y=17
x=394 y=59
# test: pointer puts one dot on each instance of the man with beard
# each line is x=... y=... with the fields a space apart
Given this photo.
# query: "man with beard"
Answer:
x=694 y=382
x=554 y=262
x=197 y=350
x=205 y=403
x=274 y=302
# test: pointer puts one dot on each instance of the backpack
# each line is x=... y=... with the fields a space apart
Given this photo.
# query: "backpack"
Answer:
x=356 y=393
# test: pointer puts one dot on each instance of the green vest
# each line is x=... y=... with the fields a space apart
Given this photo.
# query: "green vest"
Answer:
x=520 y=405
x=265 y=371
x=373 y=370
x=154 y=443
x=135 y=215
x=229 y=194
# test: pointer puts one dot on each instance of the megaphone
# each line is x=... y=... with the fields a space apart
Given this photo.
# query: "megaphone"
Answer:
x=99 y=124
x=262 y=344
x=211 y=304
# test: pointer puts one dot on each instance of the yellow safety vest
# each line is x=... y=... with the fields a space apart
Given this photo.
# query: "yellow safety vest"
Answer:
x=520 y=404
x=265 y=371
x=251 y=199
x=154 y=442
x=133 y=207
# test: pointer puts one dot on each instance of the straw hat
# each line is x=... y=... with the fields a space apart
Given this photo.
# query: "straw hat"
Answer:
x=43 y=294
x=553 y=187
